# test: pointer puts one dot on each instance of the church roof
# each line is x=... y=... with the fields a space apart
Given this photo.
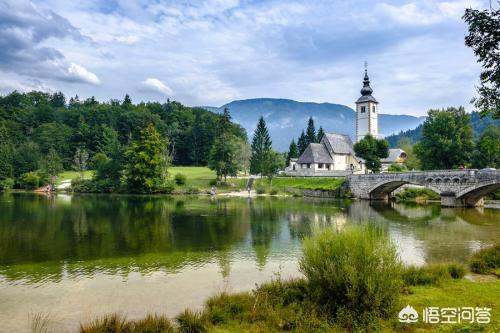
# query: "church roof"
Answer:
x=339 y=143
x=394 y=155
x=366 y=91
x=315 y=153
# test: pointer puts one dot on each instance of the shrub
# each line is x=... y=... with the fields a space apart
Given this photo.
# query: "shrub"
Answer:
x=168 y=188
x=486 y=260
x=396 y=167
x=260 y=189
x=273 y=192
x=30 y=180
x=191 y=322
x=356 y=271
x=456 y=271
x=192 y=190
x=416 y=194
x=180 y=179
x=212 y=182
x=6 y=184
x=432 y=274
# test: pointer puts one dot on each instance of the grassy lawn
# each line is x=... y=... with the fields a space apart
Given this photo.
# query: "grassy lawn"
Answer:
x=69 y=175
x=199 y=177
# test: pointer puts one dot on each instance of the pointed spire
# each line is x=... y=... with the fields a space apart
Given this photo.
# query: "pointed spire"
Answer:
x=366 y=90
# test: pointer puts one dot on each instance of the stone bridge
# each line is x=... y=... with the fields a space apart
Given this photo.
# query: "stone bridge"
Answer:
x=457 y=188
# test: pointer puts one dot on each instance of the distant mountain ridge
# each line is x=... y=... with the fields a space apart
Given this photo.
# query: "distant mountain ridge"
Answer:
x=287 y=118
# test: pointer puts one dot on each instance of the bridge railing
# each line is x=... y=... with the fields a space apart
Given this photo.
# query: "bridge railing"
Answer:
x=467 y=171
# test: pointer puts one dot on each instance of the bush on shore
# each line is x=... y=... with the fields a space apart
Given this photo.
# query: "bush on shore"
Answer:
x=486 y=261
x=355 y=274
x=420 y=195
x=432 y=274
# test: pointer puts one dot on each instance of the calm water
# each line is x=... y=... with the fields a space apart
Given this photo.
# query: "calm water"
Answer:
x=75 y=257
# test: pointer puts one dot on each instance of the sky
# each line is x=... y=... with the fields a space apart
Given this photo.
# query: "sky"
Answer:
x=210 y=52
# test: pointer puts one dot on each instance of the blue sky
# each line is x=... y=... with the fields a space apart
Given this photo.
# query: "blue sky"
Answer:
x=215 y=51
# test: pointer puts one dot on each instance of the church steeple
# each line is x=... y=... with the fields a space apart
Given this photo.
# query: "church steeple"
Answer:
x=366 y=110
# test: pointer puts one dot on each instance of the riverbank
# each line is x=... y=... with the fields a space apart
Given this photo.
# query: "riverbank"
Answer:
x=291 y=305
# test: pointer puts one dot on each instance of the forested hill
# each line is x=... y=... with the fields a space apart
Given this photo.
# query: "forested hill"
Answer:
x=33 y=123
x=286 y=118
x=478 y=125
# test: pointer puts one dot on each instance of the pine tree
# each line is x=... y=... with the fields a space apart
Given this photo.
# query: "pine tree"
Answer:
x=310 y=132
x=261 y=146
x=293 y=151
x=302 y=143
x=127 y=100
x=320 y=135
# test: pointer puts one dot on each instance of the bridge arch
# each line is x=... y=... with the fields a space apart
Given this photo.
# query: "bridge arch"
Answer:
x=382 y=189
x=472 y=195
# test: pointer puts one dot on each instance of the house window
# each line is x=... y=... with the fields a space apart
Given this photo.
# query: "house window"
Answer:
x=309 y=165
x=363 y=109
x=327 y=166
x=373 y=109
x=304 y=166
x=320 y=165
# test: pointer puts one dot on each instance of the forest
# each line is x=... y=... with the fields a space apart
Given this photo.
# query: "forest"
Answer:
x=38 y=130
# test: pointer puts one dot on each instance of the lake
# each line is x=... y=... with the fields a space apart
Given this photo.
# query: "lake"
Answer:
x=72 y=258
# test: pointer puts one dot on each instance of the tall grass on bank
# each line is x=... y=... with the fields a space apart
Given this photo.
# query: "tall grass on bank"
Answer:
x=432 y=274
x=354 y=274
x=115 y=323
x=486 y=261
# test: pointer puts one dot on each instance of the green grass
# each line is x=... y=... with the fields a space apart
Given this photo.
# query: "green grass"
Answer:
x=70 y=175
x=285 y=184
x=199 y=177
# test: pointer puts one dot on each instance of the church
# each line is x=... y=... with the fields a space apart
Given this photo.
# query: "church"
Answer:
x=334 y=154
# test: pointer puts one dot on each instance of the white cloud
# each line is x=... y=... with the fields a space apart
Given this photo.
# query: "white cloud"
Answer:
x=426 y=12
x=82 y=74
x=156 y=85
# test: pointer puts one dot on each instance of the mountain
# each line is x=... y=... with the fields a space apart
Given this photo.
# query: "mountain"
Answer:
x=478 y=126
x=286 y=118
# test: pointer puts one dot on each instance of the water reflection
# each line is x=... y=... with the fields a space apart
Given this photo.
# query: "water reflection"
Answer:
x=79 y=256
x=44 y=238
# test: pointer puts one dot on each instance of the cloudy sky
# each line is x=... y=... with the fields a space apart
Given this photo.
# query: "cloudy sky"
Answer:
x=209 y=52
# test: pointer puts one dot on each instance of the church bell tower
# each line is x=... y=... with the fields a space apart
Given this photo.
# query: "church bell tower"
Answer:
x=366 y=111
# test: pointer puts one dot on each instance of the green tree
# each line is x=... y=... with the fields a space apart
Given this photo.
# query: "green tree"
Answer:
x=273 y=163
x=52 y=165
x=302 y=143
x=321 y=133
x=224 y=156
x=484 y=39
x=293 y=152
x=80 y=161
x=244 y=154
x=372 y=150
x=26 y=158
x=6 y=158
x=261 y=145
x=127 y=101
x=487 y=153
x=446 y=141
x=411 y=162
x=147 y=162
x=310 y=132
